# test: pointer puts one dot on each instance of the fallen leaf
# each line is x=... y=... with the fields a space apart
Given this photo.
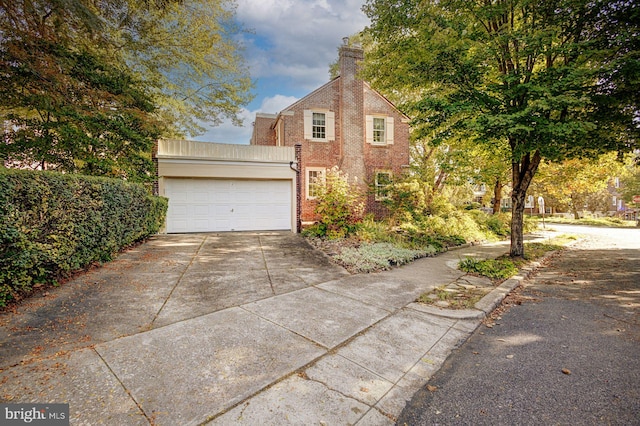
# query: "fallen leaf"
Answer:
x=431 y=388
x=509 y=356
x=566 y=371
x=363 y=389
x=501 y=340
x=476 y=353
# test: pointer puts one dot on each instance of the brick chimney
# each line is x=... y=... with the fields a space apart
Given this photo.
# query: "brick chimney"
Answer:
x=352 y=111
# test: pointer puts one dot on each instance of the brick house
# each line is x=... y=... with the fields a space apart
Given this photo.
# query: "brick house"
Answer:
x=344 y=123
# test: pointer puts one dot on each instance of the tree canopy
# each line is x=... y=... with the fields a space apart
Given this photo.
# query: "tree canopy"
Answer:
x=575 y=183
x=536 y=79
x=87 y=86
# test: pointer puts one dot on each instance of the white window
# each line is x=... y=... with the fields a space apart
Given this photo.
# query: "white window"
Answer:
x=319 y=125
x=379 y=130
x=315 y=179
x=615 y=201
x=382 y=182
x=616 y=182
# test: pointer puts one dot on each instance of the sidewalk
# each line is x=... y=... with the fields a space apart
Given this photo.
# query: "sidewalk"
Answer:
x=349 y=350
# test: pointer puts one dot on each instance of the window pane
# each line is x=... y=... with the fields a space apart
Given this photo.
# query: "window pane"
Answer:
x=378 y=130
x=314 y=182
x=319 y=125
x=383 y=180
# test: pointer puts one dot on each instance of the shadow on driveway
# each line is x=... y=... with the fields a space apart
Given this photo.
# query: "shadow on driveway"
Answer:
x=167 y=279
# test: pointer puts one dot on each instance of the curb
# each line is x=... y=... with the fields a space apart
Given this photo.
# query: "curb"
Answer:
x=490 y=301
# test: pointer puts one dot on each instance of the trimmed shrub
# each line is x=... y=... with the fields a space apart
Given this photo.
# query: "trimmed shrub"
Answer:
x=52 y=224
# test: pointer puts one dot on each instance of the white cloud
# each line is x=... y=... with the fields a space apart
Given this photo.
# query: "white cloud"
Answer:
x=302 y=36
x=289 y=49
x=226 y=132
x=275 y=104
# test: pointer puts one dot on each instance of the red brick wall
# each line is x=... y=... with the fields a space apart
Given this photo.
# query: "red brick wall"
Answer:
x=262 y=132
x=388 y=157
x=351 y=100
x=314 y=154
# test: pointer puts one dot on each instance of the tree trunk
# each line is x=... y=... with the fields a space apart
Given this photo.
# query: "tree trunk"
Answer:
x=522 y=175
x=442 y=177
x=574 y=207
x=497 y=196
x=517 y=223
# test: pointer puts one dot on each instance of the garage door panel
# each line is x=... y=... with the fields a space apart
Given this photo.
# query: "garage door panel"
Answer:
x=207 y=205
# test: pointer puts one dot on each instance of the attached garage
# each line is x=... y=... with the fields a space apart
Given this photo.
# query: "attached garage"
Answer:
x=220 y=187
x=205 y=205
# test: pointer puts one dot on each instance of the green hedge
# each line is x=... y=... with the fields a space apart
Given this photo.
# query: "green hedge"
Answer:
x=52 y=224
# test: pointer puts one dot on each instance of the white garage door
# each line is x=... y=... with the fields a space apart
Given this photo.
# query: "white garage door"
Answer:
x=206 y=205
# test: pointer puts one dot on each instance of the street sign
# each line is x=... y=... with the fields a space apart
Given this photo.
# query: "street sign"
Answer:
x=528 y=204
x=636 y=199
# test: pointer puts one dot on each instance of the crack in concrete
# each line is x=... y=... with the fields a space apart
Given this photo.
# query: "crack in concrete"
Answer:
x=177 y=283
x=150 y=420
x=266 y=267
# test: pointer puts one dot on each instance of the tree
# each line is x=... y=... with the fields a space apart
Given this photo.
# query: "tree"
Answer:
x=630 y=182
x=187 y=55
x=70 y=108
x=530 y=76
x=87 y=86
x=575 y=183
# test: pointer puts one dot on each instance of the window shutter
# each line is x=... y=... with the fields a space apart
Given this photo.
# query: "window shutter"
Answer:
x=369 y=128
x=389 y=131
x=308 y=123
x=330 y=125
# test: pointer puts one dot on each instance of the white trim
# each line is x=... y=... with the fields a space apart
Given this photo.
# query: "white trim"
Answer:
x=308 y=123
x=388 y=130
x=330 y=124
x=323 y=173
x=379 y=197
x=368 y=121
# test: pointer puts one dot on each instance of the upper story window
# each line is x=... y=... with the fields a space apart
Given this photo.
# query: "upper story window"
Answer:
x=319 y=125
x=379 y=130
x=319 y=130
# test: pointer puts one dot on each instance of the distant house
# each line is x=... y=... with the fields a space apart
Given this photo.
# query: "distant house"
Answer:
x=344 y=123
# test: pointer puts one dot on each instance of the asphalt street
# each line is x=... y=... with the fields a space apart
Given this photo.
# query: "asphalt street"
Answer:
x=562 y=350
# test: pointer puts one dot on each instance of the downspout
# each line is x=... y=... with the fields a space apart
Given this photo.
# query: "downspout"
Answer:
x=298 y=162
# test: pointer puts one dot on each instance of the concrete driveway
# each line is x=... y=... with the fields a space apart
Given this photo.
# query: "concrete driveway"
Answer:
x=168 y=279
x=237 y=328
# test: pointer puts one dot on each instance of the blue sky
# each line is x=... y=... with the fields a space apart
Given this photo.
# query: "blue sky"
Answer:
x=288 y=52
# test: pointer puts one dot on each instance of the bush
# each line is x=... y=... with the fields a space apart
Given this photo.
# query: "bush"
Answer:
x=499 y=269
x=340 y=206
x=495 y=225
x=52 y=224
x=407 y=200
x=370 y=230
